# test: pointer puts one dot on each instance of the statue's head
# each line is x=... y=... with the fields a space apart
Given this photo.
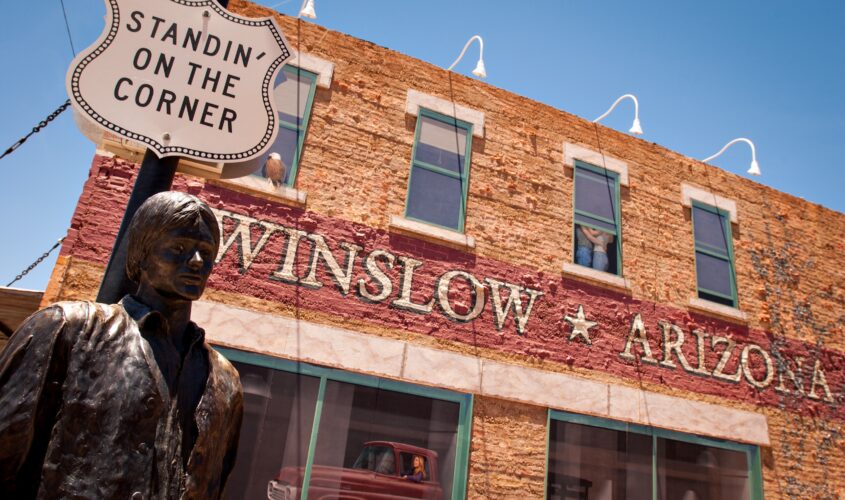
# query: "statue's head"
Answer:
x=173 y=240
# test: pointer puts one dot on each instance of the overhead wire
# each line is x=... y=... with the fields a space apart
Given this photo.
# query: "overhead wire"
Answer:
x=52 y=116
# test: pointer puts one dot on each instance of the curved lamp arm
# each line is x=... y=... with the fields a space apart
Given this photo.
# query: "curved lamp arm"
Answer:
x=307 y=9
x=754 y=169
x=635 y=127
x=479 y=70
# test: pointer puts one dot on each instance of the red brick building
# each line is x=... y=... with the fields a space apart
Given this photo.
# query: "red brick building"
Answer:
x=555 y=308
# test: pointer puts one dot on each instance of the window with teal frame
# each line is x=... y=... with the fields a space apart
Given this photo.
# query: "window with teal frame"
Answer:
x=315 y=432
x=437 y=185
x=714 y=259
x=597 y=219
x=591 y=457
x=294 y=94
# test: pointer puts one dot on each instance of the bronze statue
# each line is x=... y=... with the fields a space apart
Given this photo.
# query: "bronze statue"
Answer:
x=125 y=400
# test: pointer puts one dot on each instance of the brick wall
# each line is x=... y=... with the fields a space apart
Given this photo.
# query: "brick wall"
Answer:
x=355 y=164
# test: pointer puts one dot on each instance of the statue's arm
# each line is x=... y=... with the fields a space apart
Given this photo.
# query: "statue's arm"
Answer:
x=233 y=438
x=32 y=367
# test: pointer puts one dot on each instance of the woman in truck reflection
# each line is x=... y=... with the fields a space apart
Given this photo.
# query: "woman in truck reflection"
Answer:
x=419 y=470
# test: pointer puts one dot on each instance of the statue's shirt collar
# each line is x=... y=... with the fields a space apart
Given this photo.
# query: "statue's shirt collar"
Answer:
x=150 y=320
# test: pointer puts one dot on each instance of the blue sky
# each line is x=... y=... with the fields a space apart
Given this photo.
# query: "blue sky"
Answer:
x=704 y=73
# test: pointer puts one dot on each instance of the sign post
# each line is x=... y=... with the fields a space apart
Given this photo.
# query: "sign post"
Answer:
x=186 y=78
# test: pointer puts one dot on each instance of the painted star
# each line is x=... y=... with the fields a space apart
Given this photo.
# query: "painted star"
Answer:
x=580 y=325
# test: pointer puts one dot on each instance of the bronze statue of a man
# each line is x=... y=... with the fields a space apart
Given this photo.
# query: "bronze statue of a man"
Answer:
x=125 y=400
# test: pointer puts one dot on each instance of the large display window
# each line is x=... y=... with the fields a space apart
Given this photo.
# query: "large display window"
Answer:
x=311 y=432
x=591 y=458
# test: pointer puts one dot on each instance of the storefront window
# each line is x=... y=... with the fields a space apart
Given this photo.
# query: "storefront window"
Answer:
x=597 y=459
x=312 y=432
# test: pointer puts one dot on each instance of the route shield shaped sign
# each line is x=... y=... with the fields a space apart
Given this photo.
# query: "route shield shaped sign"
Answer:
x=183 y=77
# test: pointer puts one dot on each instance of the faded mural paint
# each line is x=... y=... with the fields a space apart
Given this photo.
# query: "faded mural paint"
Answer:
x=779 y=265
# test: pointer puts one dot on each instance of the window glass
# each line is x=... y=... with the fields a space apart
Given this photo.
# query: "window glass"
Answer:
x=375 y=429
x=709 y=230
x=593 y=458
x=714 y=274
x=439 y=171
x=595 y=194
x=713 y=261
x=689 y=471
x=287 y=100
x=592 y=462
x=306 y=428
x=435 y=198
x=278 y=416
x=294 y=94
x=441 y=144
x=596 y=232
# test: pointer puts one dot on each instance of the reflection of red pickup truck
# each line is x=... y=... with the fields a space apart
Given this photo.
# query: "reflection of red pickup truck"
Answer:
x=377 y=474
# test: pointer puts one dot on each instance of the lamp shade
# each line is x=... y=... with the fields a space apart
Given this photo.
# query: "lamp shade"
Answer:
x=479 y=70
x=307 y=10
x=636 y=128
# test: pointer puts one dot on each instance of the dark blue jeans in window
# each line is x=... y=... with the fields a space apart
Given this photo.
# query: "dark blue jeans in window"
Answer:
x=584 y=256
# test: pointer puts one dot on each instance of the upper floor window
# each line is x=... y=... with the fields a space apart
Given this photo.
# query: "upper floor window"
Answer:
x=714 y=263
x=294 y=93
x=437 y=187
x=597 y=227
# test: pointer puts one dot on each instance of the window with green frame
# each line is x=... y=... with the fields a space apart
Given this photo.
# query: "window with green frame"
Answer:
x=597 y=235
x=437 y=185
x=309 y=430
x=294 y=93
x=591 y=457
x=714 y=261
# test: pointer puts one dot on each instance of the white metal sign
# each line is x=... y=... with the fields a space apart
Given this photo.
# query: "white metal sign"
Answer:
x=183 y=77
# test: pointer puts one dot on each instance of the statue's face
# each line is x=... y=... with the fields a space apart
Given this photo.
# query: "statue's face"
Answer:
x=178 y=265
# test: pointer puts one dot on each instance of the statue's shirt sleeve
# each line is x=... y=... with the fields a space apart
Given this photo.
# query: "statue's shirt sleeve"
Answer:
x=32 y=369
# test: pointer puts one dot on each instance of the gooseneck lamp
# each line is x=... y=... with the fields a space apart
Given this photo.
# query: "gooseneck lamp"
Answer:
x=754 y=169
x=307 y=10
x=635 y=127
x=479 y=70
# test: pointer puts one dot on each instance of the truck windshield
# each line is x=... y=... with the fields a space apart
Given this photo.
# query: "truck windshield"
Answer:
x=378 y=459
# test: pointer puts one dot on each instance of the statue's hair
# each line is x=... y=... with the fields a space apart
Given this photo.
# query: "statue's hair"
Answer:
x=158 y=215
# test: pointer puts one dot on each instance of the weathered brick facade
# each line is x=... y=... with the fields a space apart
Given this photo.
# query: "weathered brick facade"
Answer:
x=354 y=169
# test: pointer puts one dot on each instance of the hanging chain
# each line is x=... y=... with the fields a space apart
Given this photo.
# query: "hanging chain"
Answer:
x=37 y=128
x=39 y=260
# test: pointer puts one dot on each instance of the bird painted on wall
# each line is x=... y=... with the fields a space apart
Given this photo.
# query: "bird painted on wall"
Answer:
x=274 y=170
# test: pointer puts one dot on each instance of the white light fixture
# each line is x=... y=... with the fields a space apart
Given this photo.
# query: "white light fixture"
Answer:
x=635 y=127
x=755 y=167
x=307 y=10
x=479 y=70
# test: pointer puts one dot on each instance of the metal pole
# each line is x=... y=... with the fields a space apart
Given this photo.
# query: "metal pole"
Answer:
x=155 y=176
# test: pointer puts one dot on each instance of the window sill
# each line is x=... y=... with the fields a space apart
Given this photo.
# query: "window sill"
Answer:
x=431 y=233
x=596 y=276
x=718 y=309
x=260 y=187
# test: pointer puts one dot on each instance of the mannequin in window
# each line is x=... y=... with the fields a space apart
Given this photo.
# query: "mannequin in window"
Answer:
x=600 y=240
x=583 y=247
x=419 y=470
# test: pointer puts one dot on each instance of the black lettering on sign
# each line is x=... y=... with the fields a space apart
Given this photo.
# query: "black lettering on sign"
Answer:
x=144 y=95
x=208 y=112
x=229 y=116
x=135 y=16
x=229 y=85
x=142 y=58
x=158 y=21
x=166 y=99
x=193 y=38
x=120 y=82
